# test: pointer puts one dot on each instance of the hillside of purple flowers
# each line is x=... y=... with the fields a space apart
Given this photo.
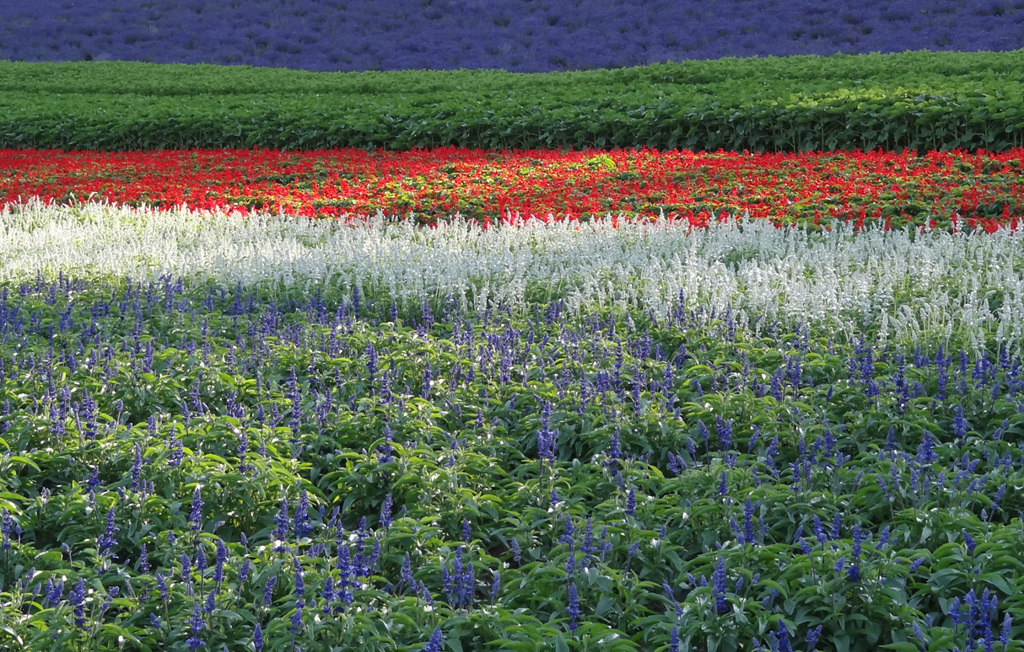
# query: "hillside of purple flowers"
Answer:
x=516 y=35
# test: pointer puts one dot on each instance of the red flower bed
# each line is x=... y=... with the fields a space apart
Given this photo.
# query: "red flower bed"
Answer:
x=938 y=189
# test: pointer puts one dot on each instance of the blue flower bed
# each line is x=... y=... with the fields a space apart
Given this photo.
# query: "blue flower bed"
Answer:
x=515 y=35
x=229 y=470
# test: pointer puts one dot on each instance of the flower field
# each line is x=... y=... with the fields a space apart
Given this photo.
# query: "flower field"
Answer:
x=418 y=361
x=262 y=432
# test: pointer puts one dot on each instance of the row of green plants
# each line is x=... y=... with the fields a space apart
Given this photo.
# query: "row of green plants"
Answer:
x=917 y=100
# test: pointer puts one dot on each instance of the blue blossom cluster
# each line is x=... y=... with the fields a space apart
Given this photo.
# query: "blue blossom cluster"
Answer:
x=515 y=35
x=241 y=469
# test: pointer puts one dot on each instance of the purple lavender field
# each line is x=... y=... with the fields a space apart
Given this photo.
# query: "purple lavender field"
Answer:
x=515 y=35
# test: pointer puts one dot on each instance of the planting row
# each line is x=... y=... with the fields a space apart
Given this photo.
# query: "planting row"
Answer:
x=914 y=100
x=959 y=289
x=517 y=35
x=214 y=468
x=947 y=190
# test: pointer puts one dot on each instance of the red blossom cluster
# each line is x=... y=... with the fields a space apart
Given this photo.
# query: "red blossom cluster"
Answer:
x=952 y=189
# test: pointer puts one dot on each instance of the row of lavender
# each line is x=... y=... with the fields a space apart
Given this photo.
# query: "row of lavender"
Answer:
x=516 y=35
x=230 y=469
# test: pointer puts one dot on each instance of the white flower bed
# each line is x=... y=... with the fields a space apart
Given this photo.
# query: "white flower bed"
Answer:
x=899 y=285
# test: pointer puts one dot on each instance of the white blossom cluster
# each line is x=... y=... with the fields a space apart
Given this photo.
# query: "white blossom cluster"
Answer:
x=898 y=285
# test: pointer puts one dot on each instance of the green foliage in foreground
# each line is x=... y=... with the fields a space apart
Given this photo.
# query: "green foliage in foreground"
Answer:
x=183 y=468
x=917 y=100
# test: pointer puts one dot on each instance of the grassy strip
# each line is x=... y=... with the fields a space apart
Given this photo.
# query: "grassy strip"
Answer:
x=916 y=100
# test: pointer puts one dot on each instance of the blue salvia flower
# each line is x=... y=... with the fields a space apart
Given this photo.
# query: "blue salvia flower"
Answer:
x=955 y=614
x=436 y=639
x=673 y=639
x=195 y=519
x=819 y=531
x=114 y=590
x=243 y=573
x=154 y=621
x=959 y=423
x=1004 y=633
x=670 y=594
x=407 y=577
x=718 y=588
x=724 y=428
x=568 y=530
x=723 y=486
x=347 y=573
x=456 y=577
x=676 y=464
x=631 y=502
x=853 y=573
x=243 y=449
x=573 y=609
x=161 y=586
x=93 y=482
x=812 y=638
x=926 y=450
x=782 y=636
x=883 y=538
x=6 y=527
x=466 y=530
x=196 y=623
x=920 y=635
x=327 y=594
x=883 y=486
x=201 y=560
x=268 y=590
x=107 y=541
x=999 y=495
x=748 y=521
x=211 y=601
x=968 y=541
x=222 y=556
x=516 y=552
x=704 y=433
x=177 y=449
x=257 y=638
x=916 y=564
x=143 y=559
x=385 y=512
x=281 y=523
x=633 y=549
x=496 y=587
x=614 y=452
x=302 y=526
x=839 y=564
x=137 y=467
x=54 y=592
x=770 y=454
x=76 y=598
x=588 y=537
x=297 y=618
